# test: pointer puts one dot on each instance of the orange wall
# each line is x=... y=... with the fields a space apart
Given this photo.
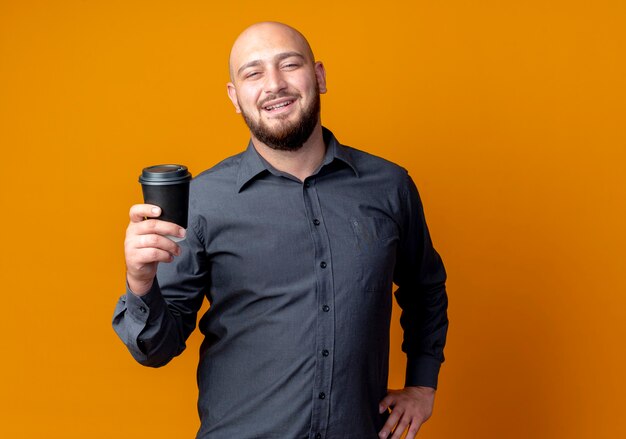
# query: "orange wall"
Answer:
x=509 y=115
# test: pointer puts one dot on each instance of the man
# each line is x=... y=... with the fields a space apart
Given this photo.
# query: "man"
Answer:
x=295 y=242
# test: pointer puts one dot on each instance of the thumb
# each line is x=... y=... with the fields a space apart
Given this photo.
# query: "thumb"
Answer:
x=139 y=212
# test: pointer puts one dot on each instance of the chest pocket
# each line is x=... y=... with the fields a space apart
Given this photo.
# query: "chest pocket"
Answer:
x=375 y=241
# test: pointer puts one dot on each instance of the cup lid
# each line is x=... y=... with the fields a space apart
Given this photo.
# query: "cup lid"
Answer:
x=164 y=174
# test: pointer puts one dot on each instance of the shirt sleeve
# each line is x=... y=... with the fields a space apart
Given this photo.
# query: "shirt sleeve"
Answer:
x=154 y=327
x=421 y=277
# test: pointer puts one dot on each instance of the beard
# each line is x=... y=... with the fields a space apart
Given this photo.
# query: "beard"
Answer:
x=289 y=136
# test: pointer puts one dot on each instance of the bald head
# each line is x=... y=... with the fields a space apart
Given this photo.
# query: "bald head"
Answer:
x=266 y=37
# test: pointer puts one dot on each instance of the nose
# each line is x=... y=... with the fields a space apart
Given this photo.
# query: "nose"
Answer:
x=274 y=81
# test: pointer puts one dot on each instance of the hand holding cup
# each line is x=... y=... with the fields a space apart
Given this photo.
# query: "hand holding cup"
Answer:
x=150 y=240
x=146 y=245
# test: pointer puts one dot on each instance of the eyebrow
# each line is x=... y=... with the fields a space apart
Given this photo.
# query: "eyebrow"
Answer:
x=279 y=57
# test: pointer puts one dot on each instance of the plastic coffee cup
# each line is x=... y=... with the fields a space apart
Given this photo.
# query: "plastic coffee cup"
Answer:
x=167 y=186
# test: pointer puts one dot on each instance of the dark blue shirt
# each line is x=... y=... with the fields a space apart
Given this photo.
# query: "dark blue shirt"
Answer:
x=299 y=277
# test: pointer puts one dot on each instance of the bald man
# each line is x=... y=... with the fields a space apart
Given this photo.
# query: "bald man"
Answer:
x=296 y=243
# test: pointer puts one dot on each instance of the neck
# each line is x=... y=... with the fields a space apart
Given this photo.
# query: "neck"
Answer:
x=301 y=163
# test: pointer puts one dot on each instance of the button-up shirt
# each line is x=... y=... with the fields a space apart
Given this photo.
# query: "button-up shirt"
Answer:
x=299 y=277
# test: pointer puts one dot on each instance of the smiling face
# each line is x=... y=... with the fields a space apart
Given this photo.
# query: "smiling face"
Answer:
x=275 y=85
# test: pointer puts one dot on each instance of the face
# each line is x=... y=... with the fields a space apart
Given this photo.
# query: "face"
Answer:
x=276 y=85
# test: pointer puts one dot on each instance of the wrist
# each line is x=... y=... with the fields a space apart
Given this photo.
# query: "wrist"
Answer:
x=138 y=287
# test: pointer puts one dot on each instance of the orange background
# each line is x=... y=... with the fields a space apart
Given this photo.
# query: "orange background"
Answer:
x=509 y=116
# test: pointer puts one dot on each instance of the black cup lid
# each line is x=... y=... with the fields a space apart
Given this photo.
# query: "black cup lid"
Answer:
x=164 y=174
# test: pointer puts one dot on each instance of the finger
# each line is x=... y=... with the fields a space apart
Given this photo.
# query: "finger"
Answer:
x=385 y=403
x=155 y=241
x=154 y=226
x=145 y=256
x=413 y=429
x=400 y=428
x=392 y=420
x=139 y=212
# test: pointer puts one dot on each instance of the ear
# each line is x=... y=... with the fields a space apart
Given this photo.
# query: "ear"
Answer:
x=320 y=74
x=232 y=94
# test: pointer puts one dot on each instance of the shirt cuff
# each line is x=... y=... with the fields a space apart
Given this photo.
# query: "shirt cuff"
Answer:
x=422 y=371
x=142 y=307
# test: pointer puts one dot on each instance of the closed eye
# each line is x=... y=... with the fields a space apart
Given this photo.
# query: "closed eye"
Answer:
x=291 y=66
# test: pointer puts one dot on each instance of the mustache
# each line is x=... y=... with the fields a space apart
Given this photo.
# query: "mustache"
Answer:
x=275 y=96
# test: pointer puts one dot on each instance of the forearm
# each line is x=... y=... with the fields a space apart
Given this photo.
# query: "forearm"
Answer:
x=425 y=324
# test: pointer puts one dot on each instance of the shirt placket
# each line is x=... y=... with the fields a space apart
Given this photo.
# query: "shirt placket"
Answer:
x=325 y=328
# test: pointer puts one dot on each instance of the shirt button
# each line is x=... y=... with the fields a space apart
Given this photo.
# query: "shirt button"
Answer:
x=325 y=308
x=307 y=184
x=325 y=353
x=142 y=309
x=316 y=222
x=318 y=436
x=323 y=264
x=322 y=395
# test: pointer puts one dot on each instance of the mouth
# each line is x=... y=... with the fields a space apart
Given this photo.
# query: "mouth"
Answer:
x=278 y=106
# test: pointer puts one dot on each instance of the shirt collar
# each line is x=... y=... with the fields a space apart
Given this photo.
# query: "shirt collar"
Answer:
x=335 y=150
x=252 y=164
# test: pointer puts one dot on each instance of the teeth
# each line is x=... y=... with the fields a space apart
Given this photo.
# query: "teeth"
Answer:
x=274 y=107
